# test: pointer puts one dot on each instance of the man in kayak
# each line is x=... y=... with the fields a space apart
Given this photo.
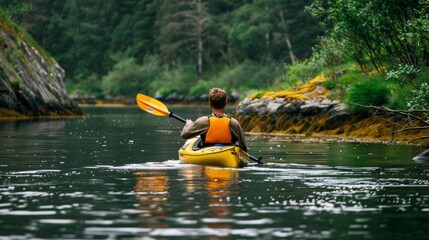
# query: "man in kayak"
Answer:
x=218 y=128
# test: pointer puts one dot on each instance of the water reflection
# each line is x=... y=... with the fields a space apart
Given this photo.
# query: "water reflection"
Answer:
x=217 y=185
x=212 y=186
x=152 y=193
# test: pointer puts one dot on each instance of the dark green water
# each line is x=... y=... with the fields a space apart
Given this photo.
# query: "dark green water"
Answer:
x=115 y=175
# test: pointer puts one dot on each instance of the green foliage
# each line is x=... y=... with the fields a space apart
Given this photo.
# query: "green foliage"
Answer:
x=15 y=8
x=371 y=91
x=354 y=86
x=397 y=96
x=411 y=87
x=16 y=84
x=342 y=84
x=175 y=80
x=262 y=29
x=299 y=73
x=90 y=85
x=403 y=73
x=419 y=99
x=377 y=32
x=329 y=55
x=201 y=87
x=129 y=77
x=248 y=75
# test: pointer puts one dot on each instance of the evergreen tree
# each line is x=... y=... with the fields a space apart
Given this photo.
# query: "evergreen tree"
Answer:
x=182 y=31
x=143 y=29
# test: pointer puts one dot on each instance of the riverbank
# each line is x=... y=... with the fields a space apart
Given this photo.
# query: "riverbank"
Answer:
x=7 y=115
x=308 y=111
x=377 y=129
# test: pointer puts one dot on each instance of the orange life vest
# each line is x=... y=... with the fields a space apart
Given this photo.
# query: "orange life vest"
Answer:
x=219 y=130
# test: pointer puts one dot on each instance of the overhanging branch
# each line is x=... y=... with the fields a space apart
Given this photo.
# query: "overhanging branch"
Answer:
x=410 y=114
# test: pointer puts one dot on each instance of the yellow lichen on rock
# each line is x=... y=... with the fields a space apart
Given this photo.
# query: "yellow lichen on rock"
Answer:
x=312 y=89
x=284 y=112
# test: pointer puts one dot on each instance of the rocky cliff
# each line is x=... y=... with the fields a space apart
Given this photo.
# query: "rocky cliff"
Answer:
x=31 y=82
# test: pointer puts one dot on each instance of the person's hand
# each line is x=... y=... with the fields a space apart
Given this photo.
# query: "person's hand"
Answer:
x=188 y=123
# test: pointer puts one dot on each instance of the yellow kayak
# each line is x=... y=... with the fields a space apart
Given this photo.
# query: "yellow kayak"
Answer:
x=221 y=156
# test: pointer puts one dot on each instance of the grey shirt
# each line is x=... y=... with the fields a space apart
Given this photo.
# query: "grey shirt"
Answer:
x=201 y=126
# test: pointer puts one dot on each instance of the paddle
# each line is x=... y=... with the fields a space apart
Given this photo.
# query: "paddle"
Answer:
x=155 y=107
x=158 y=108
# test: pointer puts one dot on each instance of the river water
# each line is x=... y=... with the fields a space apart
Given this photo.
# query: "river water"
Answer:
x=115 y=175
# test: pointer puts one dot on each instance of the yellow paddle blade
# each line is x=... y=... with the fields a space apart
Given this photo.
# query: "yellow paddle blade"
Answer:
x=151 y=105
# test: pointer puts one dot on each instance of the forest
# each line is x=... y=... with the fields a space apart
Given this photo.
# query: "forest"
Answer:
x=120 y=47
x=372 y=52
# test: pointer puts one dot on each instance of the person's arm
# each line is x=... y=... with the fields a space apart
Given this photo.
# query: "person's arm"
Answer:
x=193 y=129
x=238 y=131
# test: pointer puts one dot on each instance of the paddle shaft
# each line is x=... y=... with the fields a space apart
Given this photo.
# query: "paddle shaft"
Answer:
x=258 y=160
x=172 y=115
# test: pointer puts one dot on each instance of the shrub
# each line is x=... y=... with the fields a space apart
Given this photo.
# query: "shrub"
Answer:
x=247 y=75
x=341 y=86
x=301 y=72
x=328 y=53
x=419 y=99
x=202 y=87
x=128 y=77
x=176 y=80
x=90 y=85
x=371 y=91
x=397 y=96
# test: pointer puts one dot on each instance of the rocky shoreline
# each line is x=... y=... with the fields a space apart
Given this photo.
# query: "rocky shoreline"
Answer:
x=317 y=119
x=309 y=111
x=85 y=99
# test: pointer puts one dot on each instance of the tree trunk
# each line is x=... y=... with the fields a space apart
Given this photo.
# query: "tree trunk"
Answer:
x=287 y=39
x=200 y=20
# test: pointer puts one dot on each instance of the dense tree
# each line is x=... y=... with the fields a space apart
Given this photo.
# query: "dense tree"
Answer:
x=271 y=28
x=172 y=38
x=89 y=38
x=380 y=31
x=182 y=31
x=143 y=29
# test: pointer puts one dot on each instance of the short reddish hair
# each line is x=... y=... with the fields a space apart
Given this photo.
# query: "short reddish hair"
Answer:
x=217 y=98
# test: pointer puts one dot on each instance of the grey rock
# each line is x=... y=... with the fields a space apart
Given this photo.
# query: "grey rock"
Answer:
x=291 y=107
x=31 y=82
x=422 y=157
x=310 y=108
x=326 y=102
x=272 y=107
x=341 y=107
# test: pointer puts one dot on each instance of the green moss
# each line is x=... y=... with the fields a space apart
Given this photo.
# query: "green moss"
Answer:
x=19 y=35
x=16 y=84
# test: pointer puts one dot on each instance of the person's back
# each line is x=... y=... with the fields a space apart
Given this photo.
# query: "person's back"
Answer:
x=218 y=128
